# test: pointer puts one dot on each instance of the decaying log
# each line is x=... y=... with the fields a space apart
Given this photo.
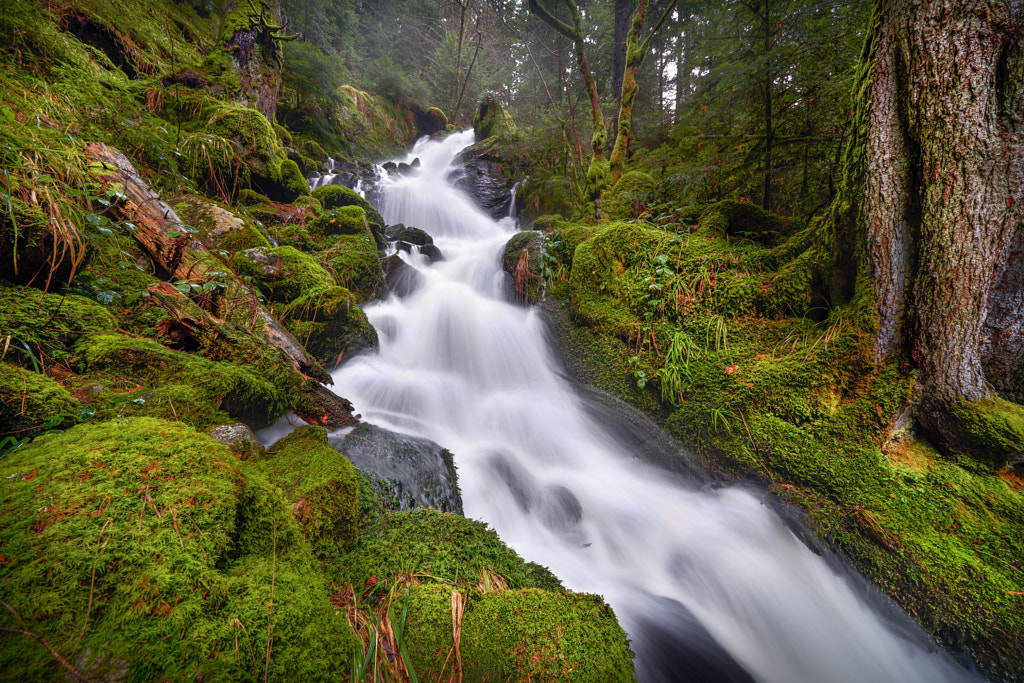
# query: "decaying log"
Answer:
x=184 y=257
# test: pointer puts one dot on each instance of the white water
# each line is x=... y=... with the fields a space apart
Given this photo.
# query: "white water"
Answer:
x=460 y=366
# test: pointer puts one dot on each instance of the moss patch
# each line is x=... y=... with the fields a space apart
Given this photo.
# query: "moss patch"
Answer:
x=319 y=484
x=329 y=324
x=28 y=400
x=130 y=542
x=283 y=273
x=523 y=634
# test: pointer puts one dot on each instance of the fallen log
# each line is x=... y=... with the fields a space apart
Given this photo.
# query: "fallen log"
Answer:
x=159 y=230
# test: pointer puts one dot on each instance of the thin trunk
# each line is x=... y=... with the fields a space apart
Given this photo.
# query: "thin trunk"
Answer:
x=636 y=51
x=769 y=132
x=620 y=32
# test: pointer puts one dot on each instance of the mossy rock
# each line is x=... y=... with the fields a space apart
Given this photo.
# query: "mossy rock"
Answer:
x=413 y=236
x=345 y=220
x=183 y=386
x=518 y=635
x=337 y=196
x=139 y=546
x=319 y=484
x=989 y=432
x=330 y=325
x=49 y=324
x=283 y=274
x=628 y=198
x=522 y=260
x=445 y=546
x=492 y=119
x=217 y=226
x=29 y=399
x=730 y=218
x=239 y=439
x=548 y=222
x=438 y=120
x=355 y=263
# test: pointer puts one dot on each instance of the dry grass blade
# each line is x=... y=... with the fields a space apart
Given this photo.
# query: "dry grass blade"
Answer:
x=92 y=584
x=458 y=610
x=42 y=641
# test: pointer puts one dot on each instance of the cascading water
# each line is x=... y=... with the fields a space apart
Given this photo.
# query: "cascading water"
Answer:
x=708 y=581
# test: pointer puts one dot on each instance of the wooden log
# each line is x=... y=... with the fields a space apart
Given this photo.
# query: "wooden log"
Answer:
x=183 y=256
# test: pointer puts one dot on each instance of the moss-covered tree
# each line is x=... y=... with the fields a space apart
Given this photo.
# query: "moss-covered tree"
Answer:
x=932 y=208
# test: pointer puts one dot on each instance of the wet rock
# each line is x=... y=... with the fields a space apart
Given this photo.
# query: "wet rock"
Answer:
x=418 y=473
x=402 y=279
x=432 y=253
x=482 y=177
x=240 y=440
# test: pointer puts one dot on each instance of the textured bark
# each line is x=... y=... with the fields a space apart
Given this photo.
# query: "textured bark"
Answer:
x=944 y=192
x=183 y=257
x=256 y=57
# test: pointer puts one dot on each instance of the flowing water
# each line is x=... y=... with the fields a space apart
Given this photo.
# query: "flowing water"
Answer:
x=709 y=582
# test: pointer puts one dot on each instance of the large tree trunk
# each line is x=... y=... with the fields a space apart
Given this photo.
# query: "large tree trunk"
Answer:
x=943 y=198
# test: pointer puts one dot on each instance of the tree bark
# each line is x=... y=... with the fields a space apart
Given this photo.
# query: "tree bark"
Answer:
x=943 y=197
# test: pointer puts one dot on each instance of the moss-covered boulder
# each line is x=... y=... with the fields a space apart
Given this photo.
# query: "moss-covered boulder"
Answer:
x=491 y=118
x=522 y=260
x=345 y=220
x=329 y=324
x=49 y=325
x=217 y=226
x=337 y=196
x=412 y=236
x=29 y=400
x=730 y=218
x=355 y=263
x=989 y=432
x=434 y=544
x=139 y=548
x=179 y=385
x=283 y=273
x=628 y=198
x=518 y=635
x=318 y=483
x=436 y=121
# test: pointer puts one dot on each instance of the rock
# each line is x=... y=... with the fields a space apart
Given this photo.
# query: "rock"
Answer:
x=522 y=261
x=283 y=273
x=484 y=177
x=492 y=118
x=414 y=236
x=330 y=325
x=417 y=472
x=217 y=226
x=402 y=278
x=432 y=253
x=239 y=439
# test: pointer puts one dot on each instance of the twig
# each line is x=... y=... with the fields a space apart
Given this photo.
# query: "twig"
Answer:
x=174 y=519
x=92 y=585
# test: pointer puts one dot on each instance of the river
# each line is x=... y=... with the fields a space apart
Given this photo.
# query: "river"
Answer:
x=709 y=582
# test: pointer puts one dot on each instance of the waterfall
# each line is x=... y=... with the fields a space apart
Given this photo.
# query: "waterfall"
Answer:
x=708 y=581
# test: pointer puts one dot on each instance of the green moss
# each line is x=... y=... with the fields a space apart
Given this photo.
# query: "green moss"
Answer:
x=354 y=262
x=628 y=198
x=414 y=236
x=182 y=386
x=293 y=183
x=28 y=399
x=436 y=546
x=329 y=324
x=492 y=119
x=744 y=219
x=128 y=542
x=283 y=273
x=337 y=196
x=345 y=220
x=519 y=635
x=49 y=324
x=218 y=226
x=319 y=484
x=527 y=287
x=991 y=431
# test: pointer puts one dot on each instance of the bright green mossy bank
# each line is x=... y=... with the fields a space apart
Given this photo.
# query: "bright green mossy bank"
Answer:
x=724 y=337
x=140 y=549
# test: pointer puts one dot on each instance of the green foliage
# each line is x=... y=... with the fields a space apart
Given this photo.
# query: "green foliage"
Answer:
x=121 y=537
x=730 y=218
x=522 y=634
x=50 y=325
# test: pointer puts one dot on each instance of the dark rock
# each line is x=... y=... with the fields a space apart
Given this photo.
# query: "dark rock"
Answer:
x=485 y=176
x=390 y=166
x=402 y=278
x=417 y=472
x=432 y=253
x=414 y=236
x=239 y=439
x=393 y=231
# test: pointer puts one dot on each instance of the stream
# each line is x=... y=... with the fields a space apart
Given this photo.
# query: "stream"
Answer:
x=708 y=581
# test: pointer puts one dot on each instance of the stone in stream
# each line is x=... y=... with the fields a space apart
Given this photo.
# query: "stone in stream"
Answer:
x=417 y=472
